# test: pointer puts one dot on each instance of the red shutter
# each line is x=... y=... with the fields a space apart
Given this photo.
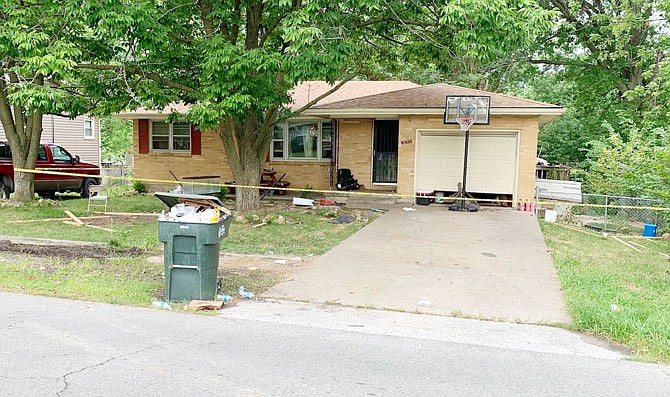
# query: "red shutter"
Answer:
x=196 y=141
x=143 y=132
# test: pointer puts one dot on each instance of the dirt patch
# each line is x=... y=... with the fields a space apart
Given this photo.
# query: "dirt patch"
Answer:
x=68 y=252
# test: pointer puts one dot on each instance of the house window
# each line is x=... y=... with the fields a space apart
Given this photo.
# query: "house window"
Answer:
x=172 y=137
x=88 y=129
x=302 y=140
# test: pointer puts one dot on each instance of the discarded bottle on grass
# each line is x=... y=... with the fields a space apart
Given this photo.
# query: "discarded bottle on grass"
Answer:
x=225 y=298
x=246 y=294
x=161 y=305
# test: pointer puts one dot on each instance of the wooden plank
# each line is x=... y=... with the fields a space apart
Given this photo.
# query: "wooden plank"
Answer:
x=73 y=217
x=626 y=244
x=89 y=226
x=57 y=219
x=130 y=214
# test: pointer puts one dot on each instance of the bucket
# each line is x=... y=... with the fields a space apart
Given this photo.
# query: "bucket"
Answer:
x=550 y=216
x=649 y=230
x=439 y=197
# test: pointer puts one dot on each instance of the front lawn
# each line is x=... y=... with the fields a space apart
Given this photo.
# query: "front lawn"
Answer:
x=614 y=291
x=123 y=273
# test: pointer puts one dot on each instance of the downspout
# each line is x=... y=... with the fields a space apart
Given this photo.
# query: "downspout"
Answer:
x=53 y=130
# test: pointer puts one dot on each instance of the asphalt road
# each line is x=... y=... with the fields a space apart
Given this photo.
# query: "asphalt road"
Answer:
x=69 y=348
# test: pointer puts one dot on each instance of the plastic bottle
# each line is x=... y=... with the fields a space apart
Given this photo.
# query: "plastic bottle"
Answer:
x=162 y=216
x=246 y=294
x=161 y=305
x=225 y=298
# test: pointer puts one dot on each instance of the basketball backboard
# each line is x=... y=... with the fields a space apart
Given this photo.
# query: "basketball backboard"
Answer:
x=477 y=107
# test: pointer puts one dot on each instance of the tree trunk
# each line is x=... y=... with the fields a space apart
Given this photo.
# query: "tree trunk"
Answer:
x=23 y=131
x=246 y=142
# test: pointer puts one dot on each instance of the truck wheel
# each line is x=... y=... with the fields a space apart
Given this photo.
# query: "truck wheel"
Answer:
x=5 y=188
x=85 y=187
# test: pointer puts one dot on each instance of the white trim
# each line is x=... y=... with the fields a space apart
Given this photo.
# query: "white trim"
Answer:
x=170 y=139
x=285 y=140
x=396 y=112
x=455 y=132
x=92 y=136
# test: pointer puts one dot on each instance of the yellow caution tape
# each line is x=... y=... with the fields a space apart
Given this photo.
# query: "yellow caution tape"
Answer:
x=338 y=192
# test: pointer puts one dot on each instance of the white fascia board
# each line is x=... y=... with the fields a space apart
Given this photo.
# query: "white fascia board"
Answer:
x=395 y=112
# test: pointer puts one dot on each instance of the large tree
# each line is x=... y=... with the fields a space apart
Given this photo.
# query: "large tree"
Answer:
x=37 y=56
x=235 y=61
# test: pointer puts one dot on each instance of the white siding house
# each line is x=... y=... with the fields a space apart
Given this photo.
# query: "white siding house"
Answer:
x=80 y=136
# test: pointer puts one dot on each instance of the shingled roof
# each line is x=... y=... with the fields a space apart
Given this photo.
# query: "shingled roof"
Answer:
x=429 y=96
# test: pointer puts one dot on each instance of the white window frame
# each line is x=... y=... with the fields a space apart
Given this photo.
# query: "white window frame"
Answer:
x=285 y=140
x=92 y=135
x=171 y=148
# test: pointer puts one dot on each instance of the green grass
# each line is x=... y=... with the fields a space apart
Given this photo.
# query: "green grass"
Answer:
x=613 y=291
x=124 y=281
x=134 y=280
x=142 y=235
x=304 y=231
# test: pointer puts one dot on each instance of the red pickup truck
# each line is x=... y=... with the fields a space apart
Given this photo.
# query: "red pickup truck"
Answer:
x=50 y=157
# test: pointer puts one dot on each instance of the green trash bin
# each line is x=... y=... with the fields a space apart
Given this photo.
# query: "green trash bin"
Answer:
x=191 y=249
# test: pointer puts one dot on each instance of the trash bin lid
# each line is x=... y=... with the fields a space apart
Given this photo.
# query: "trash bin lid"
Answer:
x=172 y=199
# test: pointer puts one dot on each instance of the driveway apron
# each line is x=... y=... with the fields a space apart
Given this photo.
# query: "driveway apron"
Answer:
x=490 y=264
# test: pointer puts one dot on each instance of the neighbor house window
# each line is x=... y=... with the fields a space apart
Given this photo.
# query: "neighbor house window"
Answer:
x=172 y=137
x=88 y=129
x=302 y=140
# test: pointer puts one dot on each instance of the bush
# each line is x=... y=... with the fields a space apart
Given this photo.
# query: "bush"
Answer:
x=307 y=195
x=139 y=187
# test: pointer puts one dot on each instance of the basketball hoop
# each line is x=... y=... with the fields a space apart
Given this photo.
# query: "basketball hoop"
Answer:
x=465 y=122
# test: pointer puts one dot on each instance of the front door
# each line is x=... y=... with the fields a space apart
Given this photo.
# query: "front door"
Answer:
x=385 y=152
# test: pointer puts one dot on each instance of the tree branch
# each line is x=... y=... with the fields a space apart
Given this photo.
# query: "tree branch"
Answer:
x=330 y=91
x=139 y=72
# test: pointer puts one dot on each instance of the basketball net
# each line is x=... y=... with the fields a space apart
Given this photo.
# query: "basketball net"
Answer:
x=465 y=122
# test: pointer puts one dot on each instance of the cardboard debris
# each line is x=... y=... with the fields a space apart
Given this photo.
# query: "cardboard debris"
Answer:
x=204 y=305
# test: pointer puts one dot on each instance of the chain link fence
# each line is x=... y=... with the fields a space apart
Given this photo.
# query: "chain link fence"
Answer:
x=621 y=214
x=117 y=171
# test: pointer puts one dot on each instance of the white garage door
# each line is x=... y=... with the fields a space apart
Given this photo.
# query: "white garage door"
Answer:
x=491 y=162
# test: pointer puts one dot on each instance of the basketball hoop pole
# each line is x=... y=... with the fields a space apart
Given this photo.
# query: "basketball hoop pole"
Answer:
x=465 y=167
x=466 y=111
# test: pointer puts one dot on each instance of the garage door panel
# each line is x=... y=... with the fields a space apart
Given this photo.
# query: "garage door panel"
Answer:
x=492 y=162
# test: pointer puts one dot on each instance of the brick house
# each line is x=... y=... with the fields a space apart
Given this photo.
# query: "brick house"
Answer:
x=390 y=134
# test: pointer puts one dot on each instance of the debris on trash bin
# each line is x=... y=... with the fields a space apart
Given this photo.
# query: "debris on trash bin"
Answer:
x=161 y=305
x=408 y=209
x=303 y=201
x=224 y=298
x=342 y=219
x=204 y=305
x=281 y=261
x=246 y=294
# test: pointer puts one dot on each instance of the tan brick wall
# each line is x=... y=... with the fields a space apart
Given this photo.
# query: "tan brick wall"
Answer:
x=213 y=162
x=355 y=146
x=301 y=173
x=158 y=165
x=526 y=125
x=355 y=152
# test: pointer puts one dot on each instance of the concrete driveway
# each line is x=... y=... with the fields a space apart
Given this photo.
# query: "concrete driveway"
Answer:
x=491 y=264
